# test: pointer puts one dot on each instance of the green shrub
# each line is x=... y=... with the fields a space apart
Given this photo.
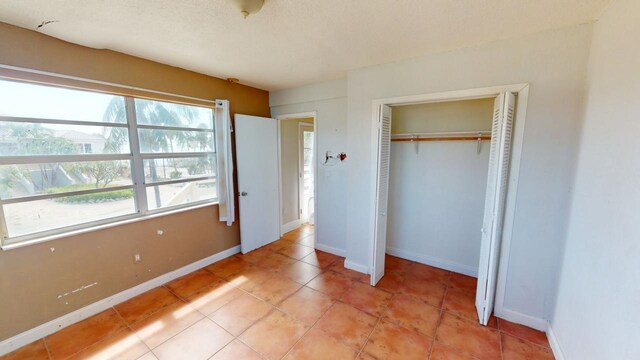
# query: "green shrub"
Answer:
x=175 y=174
x=89 y=198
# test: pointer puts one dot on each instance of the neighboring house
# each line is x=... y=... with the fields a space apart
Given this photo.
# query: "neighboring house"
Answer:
x=86 y=143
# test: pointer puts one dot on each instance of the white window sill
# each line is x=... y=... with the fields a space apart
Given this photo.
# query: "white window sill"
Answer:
x=134 y=218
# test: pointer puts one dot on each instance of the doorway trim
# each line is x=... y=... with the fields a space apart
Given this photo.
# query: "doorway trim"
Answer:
x=522 y=90
x=314 y=115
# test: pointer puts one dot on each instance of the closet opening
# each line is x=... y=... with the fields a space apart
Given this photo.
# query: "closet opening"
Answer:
x=437 y=182
x=445 y=170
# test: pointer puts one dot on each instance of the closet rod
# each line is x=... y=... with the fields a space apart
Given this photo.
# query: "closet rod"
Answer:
x=448 y=136
x=445 y=139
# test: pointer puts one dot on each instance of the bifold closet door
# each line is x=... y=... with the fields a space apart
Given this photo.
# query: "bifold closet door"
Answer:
x=382 y=191
x=503 y=115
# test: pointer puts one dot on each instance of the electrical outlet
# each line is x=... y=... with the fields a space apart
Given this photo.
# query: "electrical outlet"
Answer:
x=137 y=258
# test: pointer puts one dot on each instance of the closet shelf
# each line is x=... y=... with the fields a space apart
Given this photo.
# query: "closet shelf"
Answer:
x=443 y=136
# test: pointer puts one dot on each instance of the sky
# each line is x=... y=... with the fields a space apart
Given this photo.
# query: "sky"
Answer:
x=27 y=100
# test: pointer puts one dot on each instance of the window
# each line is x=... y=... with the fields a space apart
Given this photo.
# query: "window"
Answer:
x=71 y=159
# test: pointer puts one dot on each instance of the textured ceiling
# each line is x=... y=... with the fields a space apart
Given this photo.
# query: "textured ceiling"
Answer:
x=291 y=42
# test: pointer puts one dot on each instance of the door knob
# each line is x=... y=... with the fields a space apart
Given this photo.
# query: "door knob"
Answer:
x=244 y=193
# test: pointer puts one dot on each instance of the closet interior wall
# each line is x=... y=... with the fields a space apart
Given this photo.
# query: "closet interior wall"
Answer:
x=437 y=187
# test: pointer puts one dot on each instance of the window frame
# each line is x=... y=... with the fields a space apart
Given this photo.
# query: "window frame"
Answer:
x=136 y=159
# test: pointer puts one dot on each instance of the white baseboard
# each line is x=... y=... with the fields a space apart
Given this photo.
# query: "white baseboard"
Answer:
x=553 y=342
x=40 y=331
x=356 y=267
x=520 y=318
x=436 y=262
x=331 y=250
x=290 y=226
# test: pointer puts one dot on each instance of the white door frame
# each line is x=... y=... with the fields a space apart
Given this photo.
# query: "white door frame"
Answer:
x=311 y=114
x=522 y=90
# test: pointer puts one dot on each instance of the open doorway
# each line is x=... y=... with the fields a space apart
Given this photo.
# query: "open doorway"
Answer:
x=297 y=153
x=439 y=200
x=307 y=180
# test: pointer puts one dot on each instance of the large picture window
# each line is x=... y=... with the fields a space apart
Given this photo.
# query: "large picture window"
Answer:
x=71 y=159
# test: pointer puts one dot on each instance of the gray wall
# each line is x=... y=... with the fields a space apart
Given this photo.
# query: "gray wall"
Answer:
x=597 y=314
x=329 y=101
x=554 y=64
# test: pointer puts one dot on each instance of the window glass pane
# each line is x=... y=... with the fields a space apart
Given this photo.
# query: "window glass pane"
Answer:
x=178 y=168
x=48 y=178
x=48 y=102
x=35 y=216
x=54 y=139
x=183 y=193
x=171 y=141
x=149 y=112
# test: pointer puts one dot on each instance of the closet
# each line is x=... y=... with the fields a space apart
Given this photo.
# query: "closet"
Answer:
x=439 y=161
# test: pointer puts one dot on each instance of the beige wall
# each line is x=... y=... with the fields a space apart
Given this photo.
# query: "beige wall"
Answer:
x=448 y=116
x=289 y=145
x=32 y=277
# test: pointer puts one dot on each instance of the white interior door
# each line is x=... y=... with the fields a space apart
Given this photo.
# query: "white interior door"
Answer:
x=503 y=114
x=257 y=157
x=382 y=191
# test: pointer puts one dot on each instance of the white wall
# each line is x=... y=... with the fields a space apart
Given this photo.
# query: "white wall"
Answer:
x=330 y=102
x=554 y=63
x=597 y=314
x=436 y=196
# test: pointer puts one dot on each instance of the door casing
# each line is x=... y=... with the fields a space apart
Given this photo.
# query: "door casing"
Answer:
x=522 y=90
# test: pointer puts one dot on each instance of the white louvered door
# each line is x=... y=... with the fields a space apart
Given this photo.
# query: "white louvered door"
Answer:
x=501 y=137
x=382 y=191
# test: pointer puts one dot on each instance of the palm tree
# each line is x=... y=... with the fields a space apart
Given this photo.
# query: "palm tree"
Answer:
x=151 y=140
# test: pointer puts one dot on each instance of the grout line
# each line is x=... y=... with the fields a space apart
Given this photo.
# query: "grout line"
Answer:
x=249 y=346
x=134 y=333
x=46 y=346
x=439 y=322
x=103 y=337
x=172 y=292
x=151 y=313
x=385 y=308
x=369 y=336
x=310 y=328
x=500 y=337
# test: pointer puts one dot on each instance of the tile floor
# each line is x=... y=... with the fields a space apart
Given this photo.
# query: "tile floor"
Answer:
x=286 y=300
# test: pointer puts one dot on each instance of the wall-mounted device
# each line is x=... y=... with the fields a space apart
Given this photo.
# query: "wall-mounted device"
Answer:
x=329 y=157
